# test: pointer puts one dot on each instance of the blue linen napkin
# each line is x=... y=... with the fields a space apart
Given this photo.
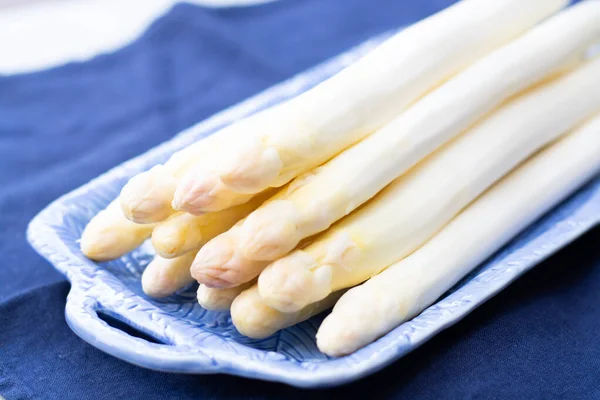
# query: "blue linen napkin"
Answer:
x=61 y=127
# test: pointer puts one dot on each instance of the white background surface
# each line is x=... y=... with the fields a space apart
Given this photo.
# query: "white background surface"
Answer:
x=38 y=34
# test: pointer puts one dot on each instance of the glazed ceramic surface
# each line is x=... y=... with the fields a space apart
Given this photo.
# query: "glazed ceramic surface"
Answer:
x=186 y=338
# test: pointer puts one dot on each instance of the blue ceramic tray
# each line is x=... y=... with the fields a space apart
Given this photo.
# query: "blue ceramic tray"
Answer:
x=190 y=339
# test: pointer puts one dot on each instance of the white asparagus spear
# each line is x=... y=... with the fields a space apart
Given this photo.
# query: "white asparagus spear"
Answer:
x=164 y=276
x=294 y=137
x=253 y=318
x=411 y=210
x=408 y=287
x=110 y=235
x=321 y=197
x=184 y=232
x=218 y=264
x=220 y=299
x=147 y=197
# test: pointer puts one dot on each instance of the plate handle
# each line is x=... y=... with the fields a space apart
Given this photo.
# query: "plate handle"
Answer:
x=81 y=313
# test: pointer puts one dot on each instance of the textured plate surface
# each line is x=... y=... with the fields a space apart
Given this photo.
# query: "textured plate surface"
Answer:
x=192 y=340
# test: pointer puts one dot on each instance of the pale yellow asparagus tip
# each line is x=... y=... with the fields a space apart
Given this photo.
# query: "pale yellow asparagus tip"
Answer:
x=253 y=168
x=163 y=277
x=295 y=281
x=195 y=191
x=219 y=299
x=269 y=232
x=147 y=197
x=177 y=235
x=208 y=266
x=218 y=265
x=200 y=192
x=255 y=319
x=110 y=235
x=341 y=330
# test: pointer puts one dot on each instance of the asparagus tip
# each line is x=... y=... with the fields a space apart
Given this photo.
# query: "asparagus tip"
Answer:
x=270 y=232
x=289 y=284
x=146 y=198
x=210 y=266
x=253 y=170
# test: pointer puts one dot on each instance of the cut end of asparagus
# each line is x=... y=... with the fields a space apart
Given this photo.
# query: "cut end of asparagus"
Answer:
x=270 y=232
x=253 y=169
x=293 y=282
x=147 y=197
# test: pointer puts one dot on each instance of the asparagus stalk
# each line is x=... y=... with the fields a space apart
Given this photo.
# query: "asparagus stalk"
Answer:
x=110 y=235
x=411 y=210
x=163 y=276
x=318 y=199
x=406 y=288
x=219 y=299
x=253 y=318
x=287 y=140
x=184 y=232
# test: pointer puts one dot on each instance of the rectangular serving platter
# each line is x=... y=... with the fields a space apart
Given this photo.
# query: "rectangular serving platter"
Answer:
x=186 y=338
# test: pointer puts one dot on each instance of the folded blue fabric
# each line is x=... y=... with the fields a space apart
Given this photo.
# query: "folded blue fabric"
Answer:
x=61 y=127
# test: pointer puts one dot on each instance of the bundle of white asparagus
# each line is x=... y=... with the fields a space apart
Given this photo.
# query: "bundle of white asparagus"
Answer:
x=400 y=174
